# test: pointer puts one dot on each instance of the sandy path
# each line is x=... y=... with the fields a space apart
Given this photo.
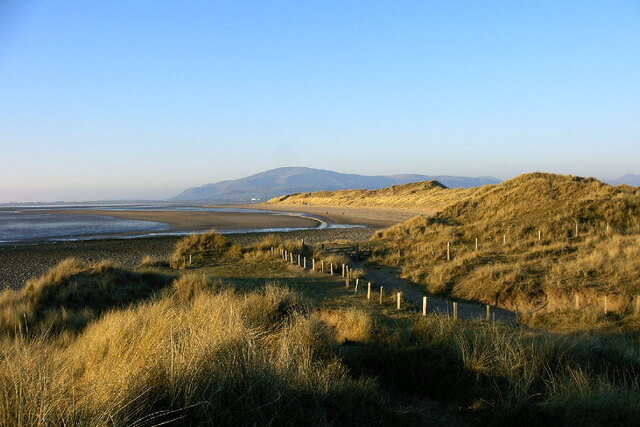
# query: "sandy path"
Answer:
x=414 y=293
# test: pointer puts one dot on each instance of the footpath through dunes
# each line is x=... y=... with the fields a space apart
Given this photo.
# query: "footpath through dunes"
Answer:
x=415 y=293
x=536 y=241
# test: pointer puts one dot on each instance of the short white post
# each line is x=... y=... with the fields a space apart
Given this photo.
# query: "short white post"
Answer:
x=189 y=259
x=332 y=269
x=488 y=313
x=381 y=293
x=399 y=299
x=504 y=239
x=298 y=260
x=356 y=291
x=539 y=235
x=448 y=253
x=342 y=270
x=291 y=255
x=304 y=263
x=577 y=302
x=369 y=290
x=576 y=229
x=313 y=264
x=424 y=306
x=322 y=265
x=455 y=310
x=476 y=244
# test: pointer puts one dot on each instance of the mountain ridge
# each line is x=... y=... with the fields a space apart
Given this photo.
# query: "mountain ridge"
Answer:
x=287 y=180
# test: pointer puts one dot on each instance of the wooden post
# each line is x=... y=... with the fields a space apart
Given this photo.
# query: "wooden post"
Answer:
x=322 y=265
x=332 y=269
x=424 y=306
x=381 y=292
x=577 y=301
x=399 y=299
x=476 y=244
x=455 y=310
x=368 y=290
x=342 y=270
x=448 y=253
x=298 y=260
x=304 y=263
x=605 y=304
x=291 y=256
x=488 y=313
x=356 y=291
x=313 y=264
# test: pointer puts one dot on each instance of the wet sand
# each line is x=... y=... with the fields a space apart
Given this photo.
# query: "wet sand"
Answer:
x=193 y=220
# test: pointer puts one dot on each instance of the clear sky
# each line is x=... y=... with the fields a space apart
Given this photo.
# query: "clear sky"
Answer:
x=132 y=99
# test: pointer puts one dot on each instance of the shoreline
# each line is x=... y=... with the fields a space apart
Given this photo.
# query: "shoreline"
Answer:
x=20 y=262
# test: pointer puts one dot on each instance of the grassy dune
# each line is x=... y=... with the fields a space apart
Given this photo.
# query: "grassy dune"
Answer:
x=244 y=338
x=542 y=240
x=429 y=196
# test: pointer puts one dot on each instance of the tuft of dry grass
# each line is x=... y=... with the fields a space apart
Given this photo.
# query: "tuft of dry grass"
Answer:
x=348 y=325
x=207 y=247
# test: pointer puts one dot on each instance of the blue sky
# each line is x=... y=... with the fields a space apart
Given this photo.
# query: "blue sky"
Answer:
x=132 y=99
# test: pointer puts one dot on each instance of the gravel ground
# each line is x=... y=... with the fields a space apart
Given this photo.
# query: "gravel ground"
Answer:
x=18 y=263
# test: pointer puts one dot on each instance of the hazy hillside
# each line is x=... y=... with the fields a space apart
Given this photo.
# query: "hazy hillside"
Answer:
x=281 y=181
x=628 y=179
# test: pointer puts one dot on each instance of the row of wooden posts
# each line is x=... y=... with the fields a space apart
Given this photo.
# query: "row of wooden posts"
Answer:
x=504 y=240
x=605 y=304
x=301 y=261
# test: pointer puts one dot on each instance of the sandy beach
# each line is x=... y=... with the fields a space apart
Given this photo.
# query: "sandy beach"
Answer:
x=371 y=217
x=195 y=221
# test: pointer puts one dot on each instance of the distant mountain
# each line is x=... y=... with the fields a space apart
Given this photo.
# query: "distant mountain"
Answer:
x=282 y=181
x=629 y=179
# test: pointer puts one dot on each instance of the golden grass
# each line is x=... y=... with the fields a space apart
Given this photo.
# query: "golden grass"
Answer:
x=207 y=356
x=72 y=294
x=201 y=248
x=427 y=195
